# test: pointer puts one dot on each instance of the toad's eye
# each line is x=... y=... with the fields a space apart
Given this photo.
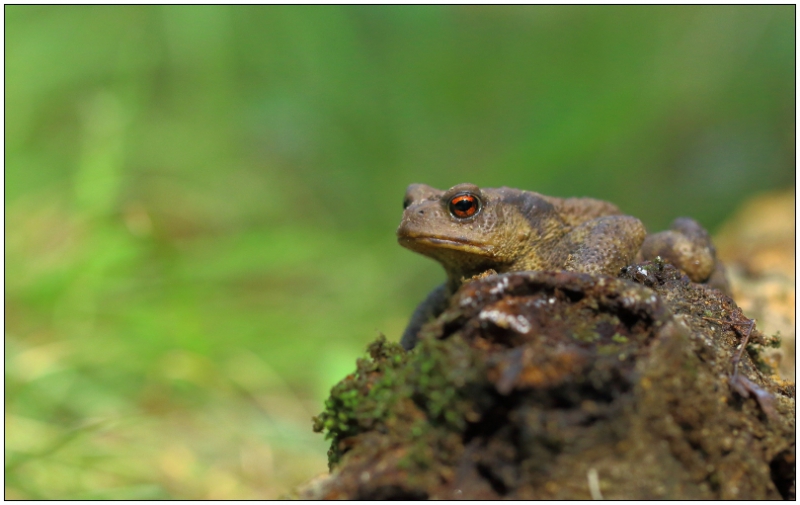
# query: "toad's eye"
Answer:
x=406 y=202
x=464 y=205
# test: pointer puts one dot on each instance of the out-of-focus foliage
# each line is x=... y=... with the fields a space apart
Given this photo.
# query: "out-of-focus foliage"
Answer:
x=201 y=201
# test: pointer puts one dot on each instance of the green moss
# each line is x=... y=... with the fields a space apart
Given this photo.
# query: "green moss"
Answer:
x=358 y=402
x=589 y=336
x=442 y=380
x=607 y=349
x=754 y=350
x=619 y=339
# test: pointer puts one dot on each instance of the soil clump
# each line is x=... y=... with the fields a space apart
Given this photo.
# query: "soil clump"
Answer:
x=544 y=385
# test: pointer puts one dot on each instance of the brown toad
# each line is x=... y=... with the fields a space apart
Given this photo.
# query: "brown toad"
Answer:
x=471 y=231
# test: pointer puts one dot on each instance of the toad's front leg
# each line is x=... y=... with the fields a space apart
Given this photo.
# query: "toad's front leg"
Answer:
x=430 y=308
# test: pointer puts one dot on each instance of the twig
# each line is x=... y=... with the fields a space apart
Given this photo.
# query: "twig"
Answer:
x=750 y=323
x=741 y=384
x=594 y=484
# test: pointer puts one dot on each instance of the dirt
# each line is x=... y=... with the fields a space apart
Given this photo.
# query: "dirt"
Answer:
x=538 y=385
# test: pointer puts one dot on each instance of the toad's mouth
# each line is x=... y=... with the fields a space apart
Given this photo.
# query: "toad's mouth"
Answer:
x=427 y=242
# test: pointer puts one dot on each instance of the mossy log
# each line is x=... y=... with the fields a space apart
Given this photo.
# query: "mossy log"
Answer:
x=543 y=385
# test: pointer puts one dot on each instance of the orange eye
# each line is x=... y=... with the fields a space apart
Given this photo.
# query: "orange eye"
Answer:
x=464 y=205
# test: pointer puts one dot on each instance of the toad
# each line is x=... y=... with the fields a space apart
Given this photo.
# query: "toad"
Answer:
x=474 y=231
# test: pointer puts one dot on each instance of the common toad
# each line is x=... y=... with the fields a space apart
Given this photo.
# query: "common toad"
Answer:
x=472 y=231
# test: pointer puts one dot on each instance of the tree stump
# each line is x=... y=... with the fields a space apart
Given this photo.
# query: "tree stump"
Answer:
x=545 y=385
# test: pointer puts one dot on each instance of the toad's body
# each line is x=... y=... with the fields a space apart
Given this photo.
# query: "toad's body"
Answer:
x=472 y=230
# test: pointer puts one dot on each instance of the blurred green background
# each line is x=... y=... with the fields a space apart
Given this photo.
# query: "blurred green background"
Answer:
x=200 y=202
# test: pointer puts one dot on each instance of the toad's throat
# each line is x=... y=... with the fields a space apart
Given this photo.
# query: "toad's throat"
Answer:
x=455 y=243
